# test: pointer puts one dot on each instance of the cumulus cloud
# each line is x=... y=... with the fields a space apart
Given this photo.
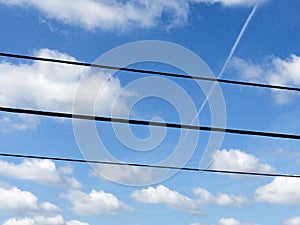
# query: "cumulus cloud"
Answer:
x=235 y=159
x=281 y=191
x=42 y=220
x=50 y=86
x=205 y=197
x=273 y=70
x=170 y=198
x=175 y=200
x=76 y=222
x=41 y=85
x=231 y=221
x=227 y=221
x=95 y=203
x=293 y=221
x=42 y=171
x=15 y=200
x=117 y=14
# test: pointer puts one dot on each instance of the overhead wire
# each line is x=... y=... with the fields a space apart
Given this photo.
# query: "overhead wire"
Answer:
x=232 y=172
x=151 y=123
x=148 y=123
x=150 y=72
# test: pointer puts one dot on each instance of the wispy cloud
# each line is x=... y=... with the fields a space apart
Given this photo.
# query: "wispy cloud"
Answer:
x=230 y=3
x=273 y=70
x=293 y=221
x=117 y=14
x=124 y=173
x=17 y=123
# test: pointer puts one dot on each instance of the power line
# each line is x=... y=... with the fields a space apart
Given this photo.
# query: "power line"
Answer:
x=150 y=166
x=149 y=123
x=177 y=75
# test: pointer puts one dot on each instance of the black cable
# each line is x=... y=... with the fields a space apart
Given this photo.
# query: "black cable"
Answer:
x=244 y=83
x=150 y=166
x=151 y=123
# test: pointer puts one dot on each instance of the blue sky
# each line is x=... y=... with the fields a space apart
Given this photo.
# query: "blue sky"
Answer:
x=189 y=35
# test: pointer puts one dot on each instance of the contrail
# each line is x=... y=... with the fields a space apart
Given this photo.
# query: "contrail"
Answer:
x=232 y=51
x=237 y=41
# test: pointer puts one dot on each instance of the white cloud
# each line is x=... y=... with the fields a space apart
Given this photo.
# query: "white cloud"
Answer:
x=238 y=160
x=293 y=221
x=76 y=222
x=95 y=203
x=117 y=14
x=227 y=221
x=19 y=123
x=18 y=201
x=170 y=198
x=51 y=86
x=175 y=200
x=125 y=173
x=274 y=70
x=281 y=191
x=205 y=198
x=233 y=2
x=42 y=171
x=231 y=221
x=41 y=220
x=247 y=69
x=109 y=14
x=32 y=81
x=14 y=199
x=48 y=207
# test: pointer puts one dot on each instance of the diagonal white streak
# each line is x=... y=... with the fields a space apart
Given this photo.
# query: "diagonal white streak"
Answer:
x=232 y=51
x=237 y=41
